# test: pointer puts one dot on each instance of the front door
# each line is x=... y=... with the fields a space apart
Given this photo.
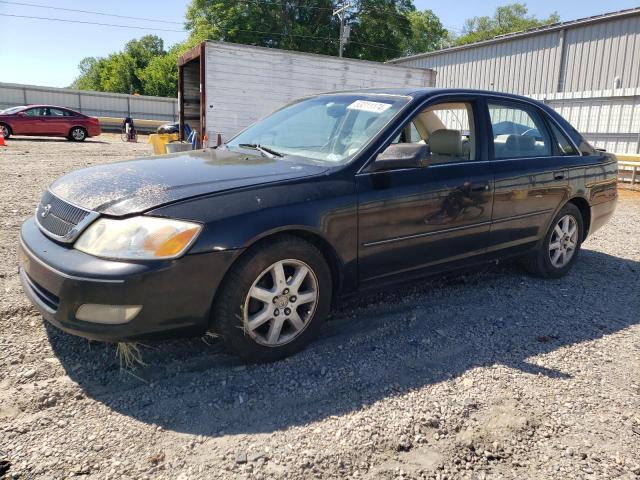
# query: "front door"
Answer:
x=34 y=122
x=411 y=219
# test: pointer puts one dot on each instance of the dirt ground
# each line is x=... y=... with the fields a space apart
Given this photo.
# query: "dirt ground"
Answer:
x=488 y=374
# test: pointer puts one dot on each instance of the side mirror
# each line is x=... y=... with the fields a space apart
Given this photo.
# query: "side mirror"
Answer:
x=402 y=155
x=21 y=114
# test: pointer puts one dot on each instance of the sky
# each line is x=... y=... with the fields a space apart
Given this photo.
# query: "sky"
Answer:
x=47 y=52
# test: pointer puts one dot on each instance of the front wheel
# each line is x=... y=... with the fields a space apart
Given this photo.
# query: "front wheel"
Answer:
x=77 y=134
x=273 y=300
x=6 y=131
x=561 y=245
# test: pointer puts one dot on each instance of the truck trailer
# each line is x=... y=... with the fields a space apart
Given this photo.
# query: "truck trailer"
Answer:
x=225 y=87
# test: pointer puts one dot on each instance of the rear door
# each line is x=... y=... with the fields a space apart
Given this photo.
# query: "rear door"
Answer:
x=531 y=174
x=58 y=121
x=417 y=218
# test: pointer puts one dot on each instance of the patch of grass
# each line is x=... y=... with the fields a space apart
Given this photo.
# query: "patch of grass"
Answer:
x=210 y=336
x=129 y=355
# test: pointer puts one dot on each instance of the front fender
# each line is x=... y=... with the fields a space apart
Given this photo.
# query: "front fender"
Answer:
x=322 y=206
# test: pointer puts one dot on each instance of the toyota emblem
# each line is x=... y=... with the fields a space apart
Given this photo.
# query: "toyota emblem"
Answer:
x=46 y=210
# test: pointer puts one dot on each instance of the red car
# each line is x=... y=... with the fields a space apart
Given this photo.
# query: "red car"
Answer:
x=48 y=121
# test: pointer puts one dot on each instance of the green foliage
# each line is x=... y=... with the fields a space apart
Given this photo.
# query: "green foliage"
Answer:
x=427 y=33
x=507 y=19
x=378 y=29
x=160 y=75
x=141 y=61
x=292 y=25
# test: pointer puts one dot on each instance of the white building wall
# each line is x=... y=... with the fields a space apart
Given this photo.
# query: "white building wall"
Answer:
x=245 y=83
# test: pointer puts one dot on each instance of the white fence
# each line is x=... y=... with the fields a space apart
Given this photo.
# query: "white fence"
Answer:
x=608 y=119
x=97 y=104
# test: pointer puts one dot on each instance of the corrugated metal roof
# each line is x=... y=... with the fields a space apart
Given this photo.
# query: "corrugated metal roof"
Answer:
x=525 y=33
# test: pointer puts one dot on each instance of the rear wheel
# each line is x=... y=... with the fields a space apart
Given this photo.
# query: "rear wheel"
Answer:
x=77 y=134
x=561 y=245
x=273 y=300
x=6 y=131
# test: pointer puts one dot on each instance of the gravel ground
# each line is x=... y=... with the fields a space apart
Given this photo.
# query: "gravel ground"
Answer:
x=487 y=374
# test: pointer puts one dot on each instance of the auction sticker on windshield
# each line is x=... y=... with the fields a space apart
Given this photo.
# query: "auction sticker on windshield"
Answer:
x=367 y=106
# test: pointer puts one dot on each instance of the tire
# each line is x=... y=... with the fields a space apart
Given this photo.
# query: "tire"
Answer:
x=6 y=130
x=248 y=325
x=77 y=134
x=557 y=254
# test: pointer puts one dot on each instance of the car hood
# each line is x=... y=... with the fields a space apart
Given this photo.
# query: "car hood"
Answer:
x=134 y=186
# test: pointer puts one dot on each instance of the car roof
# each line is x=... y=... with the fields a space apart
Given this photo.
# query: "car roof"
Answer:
x=40 y=105
x=425 y=92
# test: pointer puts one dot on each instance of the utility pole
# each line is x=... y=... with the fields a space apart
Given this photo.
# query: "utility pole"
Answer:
x=344 y=31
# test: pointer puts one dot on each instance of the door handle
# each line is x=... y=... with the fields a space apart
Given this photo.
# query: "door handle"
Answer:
x=479 y=187
x=558 y=175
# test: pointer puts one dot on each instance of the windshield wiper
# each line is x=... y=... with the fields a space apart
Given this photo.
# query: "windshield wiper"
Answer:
x=267 y=152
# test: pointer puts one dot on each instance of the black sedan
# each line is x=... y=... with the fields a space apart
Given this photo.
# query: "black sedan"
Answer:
x=329 y=196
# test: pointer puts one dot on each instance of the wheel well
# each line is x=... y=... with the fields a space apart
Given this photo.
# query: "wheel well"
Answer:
x=329 y=253
x=585 y=210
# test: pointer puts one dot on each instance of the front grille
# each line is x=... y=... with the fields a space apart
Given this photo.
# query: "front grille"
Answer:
x=57 y=217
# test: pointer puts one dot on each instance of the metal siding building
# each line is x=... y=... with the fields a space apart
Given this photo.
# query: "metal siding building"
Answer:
x=587 y=69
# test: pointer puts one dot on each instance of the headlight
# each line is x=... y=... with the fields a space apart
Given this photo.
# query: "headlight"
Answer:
x=138 y=238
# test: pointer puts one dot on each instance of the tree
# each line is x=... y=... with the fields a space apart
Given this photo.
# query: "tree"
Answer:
x=506 y=19
x=427 y=33
x=290 y=25
x=118 y=74
x=160 y=76
x=378 y=29
x=142 y=61
x=89 y=78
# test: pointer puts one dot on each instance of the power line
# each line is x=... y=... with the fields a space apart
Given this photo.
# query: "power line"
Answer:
x=90 y=12
x=91 y=23
x=259 y=32
x=157 y=20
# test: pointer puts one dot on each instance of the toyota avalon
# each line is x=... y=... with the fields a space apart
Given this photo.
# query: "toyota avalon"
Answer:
x=329 y=196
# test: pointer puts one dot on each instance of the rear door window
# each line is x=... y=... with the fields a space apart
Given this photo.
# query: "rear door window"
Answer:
x=518 y=132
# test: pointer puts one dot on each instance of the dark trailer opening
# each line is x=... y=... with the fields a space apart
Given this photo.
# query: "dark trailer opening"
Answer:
x=191 y=91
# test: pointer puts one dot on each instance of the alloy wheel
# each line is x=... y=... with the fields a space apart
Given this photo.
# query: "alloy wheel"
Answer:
x=281 y=303
x=563 y=241
x=77 y=134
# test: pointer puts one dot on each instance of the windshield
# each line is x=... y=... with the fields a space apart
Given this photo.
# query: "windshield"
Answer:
x=327 y=128
x=11 y=110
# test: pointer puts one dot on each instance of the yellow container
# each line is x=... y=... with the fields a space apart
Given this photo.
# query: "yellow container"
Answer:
x=160 y=140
